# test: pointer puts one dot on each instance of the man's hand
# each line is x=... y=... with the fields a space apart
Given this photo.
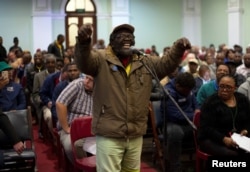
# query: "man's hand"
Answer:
x=3 y=82
x=67 y=130
x=183 y=43
x=18 y=147
x=84 y=33
x=49 y=105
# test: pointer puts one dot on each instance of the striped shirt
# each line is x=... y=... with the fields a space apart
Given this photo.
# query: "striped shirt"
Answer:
x=77 y=100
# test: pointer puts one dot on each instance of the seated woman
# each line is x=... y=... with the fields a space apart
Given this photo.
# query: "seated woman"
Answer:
x=223 y=113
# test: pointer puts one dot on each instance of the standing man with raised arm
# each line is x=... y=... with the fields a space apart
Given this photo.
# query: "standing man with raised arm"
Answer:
x=121 y=93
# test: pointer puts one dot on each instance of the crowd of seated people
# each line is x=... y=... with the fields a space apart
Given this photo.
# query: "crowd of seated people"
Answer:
x=37 y=80
x=211 y=66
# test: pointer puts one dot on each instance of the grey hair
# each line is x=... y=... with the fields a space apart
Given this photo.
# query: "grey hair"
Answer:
x=49 y=57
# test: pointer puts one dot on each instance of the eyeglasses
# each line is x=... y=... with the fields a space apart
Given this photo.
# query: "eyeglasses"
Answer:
x=125 y=35
x=226 y=87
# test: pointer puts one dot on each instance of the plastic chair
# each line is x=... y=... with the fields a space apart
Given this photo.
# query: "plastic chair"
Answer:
x=200 y=155
x=81 y=128
x=22 y=122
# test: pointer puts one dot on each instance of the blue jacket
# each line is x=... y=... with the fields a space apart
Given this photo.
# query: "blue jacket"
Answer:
x=187 y=104
x=47 y=89
x=12 y=97
x=58 y=89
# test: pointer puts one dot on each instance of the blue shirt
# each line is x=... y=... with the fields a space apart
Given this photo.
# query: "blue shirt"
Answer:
x=57 y=91
x=188 y=104
x=48 y=87
x=12 y=97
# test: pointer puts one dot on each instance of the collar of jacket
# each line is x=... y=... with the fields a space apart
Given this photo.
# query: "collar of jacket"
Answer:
x=112 y=58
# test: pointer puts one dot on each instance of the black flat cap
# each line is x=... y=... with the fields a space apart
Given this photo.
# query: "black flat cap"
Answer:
x=126 y=27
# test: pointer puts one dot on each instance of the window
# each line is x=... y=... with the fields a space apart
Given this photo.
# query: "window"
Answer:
x=79 y=12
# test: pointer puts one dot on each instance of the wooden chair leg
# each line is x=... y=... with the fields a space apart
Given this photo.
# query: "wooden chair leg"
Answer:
x=159 y=154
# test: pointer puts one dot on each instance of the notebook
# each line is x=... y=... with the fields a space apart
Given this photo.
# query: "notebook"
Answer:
x=242 y=141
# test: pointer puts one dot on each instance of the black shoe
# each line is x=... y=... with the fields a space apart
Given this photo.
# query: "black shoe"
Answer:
x=40 y=135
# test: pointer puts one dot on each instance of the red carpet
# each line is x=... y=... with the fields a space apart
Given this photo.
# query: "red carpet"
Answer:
x=47 y=158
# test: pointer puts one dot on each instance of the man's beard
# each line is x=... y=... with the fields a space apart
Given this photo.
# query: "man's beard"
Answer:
x=123 y=53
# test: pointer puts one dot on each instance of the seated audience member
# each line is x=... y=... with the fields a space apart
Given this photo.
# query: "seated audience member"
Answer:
x=203 y=78
x=211 y=66
x=244 y=88
x=193 y=66
x=219 y=59
x=154 y=52
x=238 y=59
x=15 y=60
x=244 y=68
x=59 y=64
x=169 y=77
x=184 y=63
x=224 y=112
x=7 y=128
x=165 y=51
x=21 y=71
x=67 y=58
x=31 y=69
x=239 y=78
x=50 y=67
x=73 y=102
x=34 y=68
x=211 y=87
x=73 y=73
x=12 y=95
x=100 y=44
x=178 y=128
x=46 y=93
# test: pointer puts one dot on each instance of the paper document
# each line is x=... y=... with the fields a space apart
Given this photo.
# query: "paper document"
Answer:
x=89 y=145
x=242 y=141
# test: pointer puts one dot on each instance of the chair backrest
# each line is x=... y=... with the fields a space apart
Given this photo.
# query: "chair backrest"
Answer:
x=81 y=128
x=22 y=122
x=196 y=121
x=157 y=112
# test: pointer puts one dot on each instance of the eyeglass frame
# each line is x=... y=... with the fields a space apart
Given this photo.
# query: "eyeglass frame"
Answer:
x=226 y=87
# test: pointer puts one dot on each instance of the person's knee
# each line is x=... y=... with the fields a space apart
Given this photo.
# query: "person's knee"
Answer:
x=47 y=116
x=175 y=133
x=80 y=153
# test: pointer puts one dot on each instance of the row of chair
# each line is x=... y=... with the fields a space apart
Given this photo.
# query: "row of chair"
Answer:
x=80 y=128
x=22 y=122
